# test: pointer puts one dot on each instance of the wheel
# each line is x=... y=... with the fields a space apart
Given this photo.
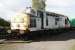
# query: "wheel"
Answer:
x=9 y=31
x=22 y=31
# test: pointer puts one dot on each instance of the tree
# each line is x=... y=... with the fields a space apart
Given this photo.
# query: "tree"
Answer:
x=4 y=22
x=38 y=4
x=4 y=26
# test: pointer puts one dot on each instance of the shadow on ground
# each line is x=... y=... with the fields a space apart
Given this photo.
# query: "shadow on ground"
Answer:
x=59 y=36
x=49 y=36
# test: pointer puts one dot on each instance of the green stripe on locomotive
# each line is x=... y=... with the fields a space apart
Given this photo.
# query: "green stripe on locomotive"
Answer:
x=72 y=23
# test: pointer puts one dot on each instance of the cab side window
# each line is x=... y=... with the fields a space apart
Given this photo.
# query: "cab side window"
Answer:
x=56 y=21
x=66 y=21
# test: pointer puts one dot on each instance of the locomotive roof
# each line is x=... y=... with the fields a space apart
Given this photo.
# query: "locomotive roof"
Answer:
x=49 y=13
x=54 y=14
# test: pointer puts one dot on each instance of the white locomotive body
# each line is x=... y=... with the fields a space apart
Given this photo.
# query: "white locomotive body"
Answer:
x=33 y=20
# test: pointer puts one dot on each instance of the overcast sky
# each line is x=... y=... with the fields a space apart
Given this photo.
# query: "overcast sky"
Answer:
x=9 y=8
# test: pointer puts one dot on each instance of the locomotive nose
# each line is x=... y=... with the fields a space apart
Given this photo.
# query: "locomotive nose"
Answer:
x=20 y=22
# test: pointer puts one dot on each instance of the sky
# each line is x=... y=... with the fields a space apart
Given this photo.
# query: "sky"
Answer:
x=9 y=8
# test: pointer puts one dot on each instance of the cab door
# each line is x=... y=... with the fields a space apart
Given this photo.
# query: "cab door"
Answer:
x=38 y=23
x=35 y=24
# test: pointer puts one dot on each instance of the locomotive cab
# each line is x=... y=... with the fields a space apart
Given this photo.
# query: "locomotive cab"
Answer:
x=20 y=23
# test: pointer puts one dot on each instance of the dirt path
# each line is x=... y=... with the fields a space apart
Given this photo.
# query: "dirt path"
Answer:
x=43 y=45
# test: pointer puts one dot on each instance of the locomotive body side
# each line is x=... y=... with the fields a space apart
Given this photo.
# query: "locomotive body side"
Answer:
x=56 y=21
x=25 y=22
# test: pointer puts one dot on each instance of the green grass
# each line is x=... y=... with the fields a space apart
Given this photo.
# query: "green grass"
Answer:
x=72 y=48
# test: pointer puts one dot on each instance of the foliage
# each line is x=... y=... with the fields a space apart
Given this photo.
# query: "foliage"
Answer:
x=4 y=22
